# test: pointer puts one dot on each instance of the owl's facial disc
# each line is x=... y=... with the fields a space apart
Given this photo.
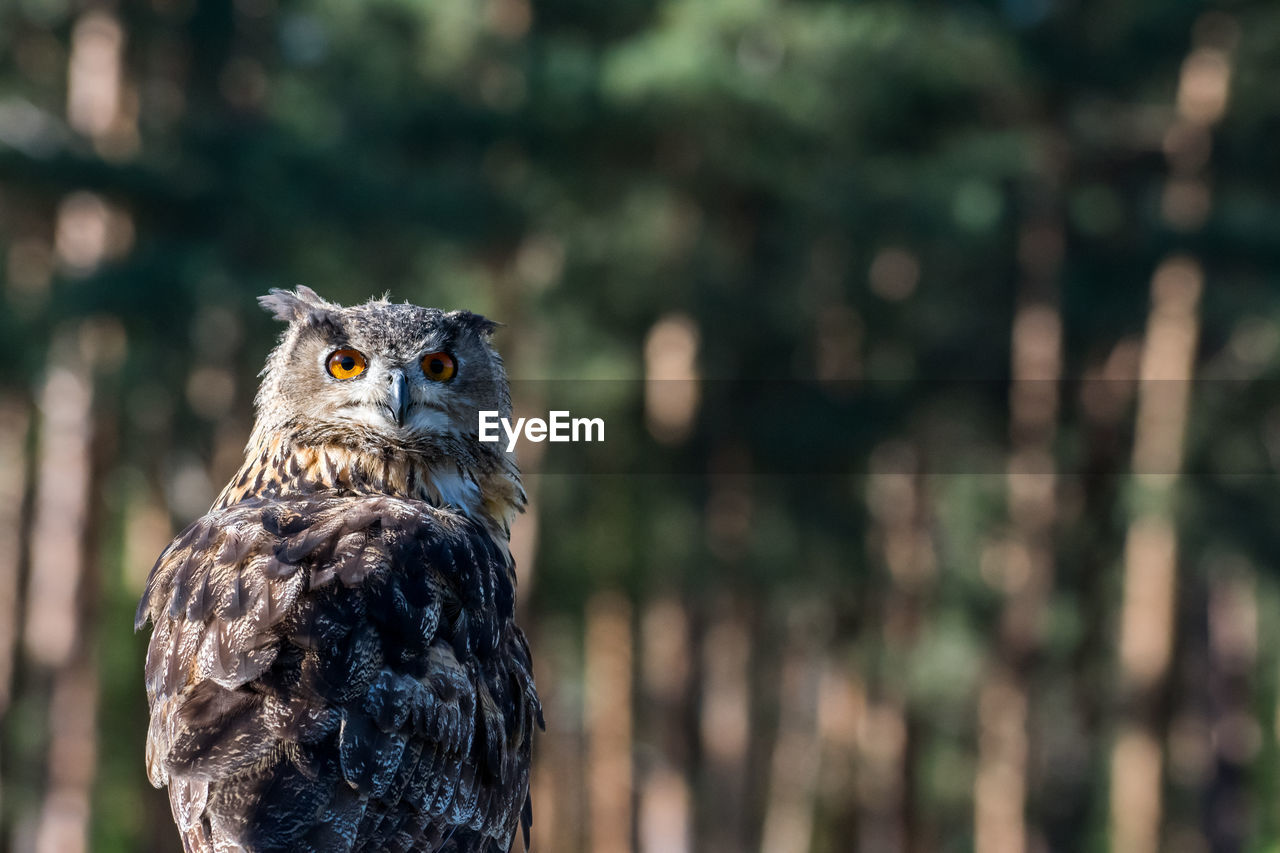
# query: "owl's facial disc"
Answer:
x=382 y=376
x=391 y=392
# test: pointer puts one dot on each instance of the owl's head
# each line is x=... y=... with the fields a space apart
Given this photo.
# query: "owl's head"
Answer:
x=382 y=377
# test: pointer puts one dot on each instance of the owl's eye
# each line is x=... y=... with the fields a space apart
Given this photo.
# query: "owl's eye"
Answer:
x=439 y=366
x=345 y=364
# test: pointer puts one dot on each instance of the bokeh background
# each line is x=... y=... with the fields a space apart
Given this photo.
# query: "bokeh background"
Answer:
x=937 y=343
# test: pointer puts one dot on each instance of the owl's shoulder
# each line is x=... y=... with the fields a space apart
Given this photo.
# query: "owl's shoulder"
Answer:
x=254 y=558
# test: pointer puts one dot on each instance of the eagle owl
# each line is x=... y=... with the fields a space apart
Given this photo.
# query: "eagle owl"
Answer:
x=334 y=663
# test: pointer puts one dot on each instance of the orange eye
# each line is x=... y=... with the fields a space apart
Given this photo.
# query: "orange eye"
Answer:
x=345 y=364
x=439 y=366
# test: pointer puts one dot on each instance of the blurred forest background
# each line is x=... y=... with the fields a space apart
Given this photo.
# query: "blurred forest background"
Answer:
x=938 y=344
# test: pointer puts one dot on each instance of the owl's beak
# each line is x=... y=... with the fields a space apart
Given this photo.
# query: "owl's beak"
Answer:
x=398 y=398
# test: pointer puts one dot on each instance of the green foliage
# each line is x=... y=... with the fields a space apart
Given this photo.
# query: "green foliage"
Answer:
x=579 y=170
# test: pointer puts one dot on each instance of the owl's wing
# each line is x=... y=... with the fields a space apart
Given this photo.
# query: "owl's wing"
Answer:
x=338 y=674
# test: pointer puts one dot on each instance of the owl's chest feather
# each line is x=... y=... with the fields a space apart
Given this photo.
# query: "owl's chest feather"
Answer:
x=280 y=467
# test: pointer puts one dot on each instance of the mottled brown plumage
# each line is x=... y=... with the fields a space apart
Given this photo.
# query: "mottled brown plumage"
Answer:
x=334 y=664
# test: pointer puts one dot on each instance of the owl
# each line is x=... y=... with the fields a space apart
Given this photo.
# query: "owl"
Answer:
x=334 y=663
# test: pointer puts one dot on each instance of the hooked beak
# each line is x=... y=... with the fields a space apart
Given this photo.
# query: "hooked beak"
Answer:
x=398 y=397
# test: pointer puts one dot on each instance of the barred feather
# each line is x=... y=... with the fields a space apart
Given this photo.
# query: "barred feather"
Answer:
x=338 y=673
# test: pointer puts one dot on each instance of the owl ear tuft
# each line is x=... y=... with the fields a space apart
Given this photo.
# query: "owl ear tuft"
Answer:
x=482 y=326
x=288 y=306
